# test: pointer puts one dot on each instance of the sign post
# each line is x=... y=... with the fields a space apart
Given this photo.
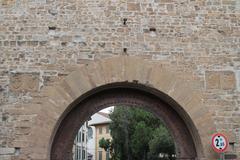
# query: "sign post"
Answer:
x=220 y=144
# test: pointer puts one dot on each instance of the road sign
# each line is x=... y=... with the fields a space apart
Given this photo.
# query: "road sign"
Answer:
x=219 y=142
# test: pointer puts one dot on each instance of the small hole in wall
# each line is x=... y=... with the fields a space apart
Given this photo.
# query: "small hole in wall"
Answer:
x=152 y=29
x=124 y=21
x=17 y=151
x=232 y=146
x=64 y=44
x=52 y=28
x=5 y=117
x=125 y=50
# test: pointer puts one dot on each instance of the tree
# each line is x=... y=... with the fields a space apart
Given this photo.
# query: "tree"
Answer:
x=137 y=135
x=161 y=143
x=105 y=144
x=140 y=139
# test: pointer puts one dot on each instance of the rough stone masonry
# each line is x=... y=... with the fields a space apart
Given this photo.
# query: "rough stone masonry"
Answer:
x=42 y=41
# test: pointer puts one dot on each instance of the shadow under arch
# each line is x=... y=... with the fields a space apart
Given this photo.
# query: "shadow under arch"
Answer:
x=185 y=134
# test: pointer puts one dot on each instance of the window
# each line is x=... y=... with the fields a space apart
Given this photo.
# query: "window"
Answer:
x=90 y=133
x=76 y=139
x=76 y=153
x=99 y=155
x=100 y=130
x=79 y=153
x=83 y=154
x=79 y=137
x=83 y=137
x=107 y=129
x=107 y=155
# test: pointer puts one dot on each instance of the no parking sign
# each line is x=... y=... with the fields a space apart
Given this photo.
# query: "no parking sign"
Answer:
x=219 y=142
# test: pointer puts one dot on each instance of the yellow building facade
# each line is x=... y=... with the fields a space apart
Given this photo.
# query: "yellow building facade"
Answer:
x=102 y=131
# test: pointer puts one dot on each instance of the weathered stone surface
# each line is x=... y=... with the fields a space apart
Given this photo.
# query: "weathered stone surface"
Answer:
x=42 y=42
x=220 y=80
x=238 y=79
x=228 y=80
x=213 y=80
x=7 y=2
x=60 y=98
x=5 y=157
x=7 y=151
x=24 y=82
x=133 y=6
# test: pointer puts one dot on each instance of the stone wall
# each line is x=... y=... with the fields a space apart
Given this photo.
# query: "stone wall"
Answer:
x=42 y=41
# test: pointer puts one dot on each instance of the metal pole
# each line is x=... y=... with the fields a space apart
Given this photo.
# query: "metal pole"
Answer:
x=223 y=155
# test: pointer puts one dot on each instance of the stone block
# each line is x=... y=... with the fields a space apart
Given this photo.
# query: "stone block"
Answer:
x=227 y=80
x=212 y=80
x=238 y=80
x=5 y=157
x=7 y=151
x=96 y=74
x=113 y=69
x=162 y=78
x=133 y=6
x=79 y=39
x=77 y=83
x=7 y=2
x=138 y=70
x=220 y=80
x=24 y=82
x=228 y=2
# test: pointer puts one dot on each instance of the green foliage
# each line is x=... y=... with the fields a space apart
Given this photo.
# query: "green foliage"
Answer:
x=161 y=143
x=138 y=135
x=105 y=144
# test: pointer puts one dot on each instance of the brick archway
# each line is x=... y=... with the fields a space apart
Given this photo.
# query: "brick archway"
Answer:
x=124 y=94
x=58 y=101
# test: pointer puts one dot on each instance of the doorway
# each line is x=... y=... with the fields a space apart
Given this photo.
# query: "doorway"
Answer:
x=132 y=95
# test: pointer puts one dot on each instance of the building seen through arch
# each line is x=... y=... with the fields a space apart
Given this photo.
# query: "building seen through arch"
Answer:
x=100 y=121
x=86 y=143
x=80 y=149
x=153 y=139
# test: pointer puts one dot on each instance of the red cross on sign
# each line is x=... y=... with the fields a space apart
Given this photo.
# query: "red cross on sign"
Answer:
x=219 y=142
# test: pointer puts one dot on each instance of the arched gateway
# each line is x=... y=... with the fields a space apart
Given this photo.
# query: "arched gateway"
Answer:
x=132 y=81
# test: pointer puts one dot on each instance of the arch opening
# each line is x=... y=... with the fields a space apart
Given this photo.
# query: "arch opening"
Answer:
x=164 y=107
x=123 y=132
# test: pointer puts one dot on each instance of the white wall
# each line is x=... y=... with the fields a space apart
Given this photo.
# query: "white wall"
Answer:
x=95 y=119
